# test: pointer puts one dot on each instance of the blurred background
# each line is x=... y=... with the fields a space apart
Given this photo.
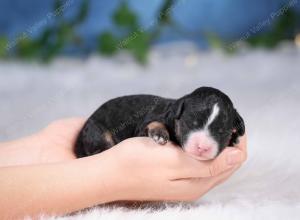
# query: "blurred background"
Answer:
x=65 y=58
x=44 y=30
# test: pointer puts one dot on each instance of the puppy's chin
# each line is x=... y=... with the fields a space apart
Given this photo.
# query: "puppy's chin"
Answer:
x=201 y=145
x=198 y=157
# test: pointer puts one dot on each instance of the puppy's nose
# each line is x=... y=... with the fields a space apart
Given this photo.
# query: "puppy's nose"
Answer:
x=204 y=150
x=202 y=145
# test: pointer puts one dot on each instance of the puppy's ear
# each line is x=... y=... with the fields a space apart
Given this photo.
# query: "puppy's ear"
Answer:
x=178 y=108
x=238 y=128
x=238 y=123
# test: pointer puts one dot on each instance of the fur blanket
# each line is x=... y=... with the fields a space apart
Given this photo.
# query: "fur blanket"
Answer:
x=264 y=85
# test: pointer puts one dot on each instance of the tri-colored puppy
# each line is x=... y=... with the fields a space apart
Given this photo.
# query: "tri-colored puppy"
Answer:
x=203 y=123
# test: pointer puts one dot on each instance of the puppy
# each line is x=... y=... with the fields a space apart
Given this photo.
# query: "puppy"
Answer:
x=203 y=123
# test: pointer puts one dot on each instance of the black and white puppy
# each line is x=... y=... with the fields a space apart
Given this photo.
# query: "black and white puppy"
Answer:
x=203 y=123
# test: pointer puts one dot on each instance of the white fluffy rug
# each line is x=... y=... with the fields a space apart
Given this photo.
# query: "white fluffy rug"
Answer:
x=264 y=85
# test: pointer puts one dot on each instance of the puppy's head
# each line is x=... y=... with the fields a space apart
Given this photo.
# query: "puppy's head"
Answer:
x=206 y=122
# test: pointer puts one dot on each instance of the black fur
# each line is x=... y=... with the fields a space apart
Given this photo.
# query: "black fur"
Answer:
x=130 y=116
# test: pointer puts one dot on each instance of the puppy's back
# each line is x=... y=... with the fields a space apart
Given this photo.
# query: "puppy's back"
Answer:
x=114 y=121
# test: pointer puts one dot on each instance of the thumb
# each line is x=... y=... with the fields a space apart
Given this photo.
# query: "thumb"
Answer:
x=194 y=168
x=226 y=160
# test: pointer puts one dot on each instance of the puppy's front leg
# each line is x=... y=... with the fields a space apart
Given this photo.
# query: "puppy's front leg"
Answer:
x=158 y=132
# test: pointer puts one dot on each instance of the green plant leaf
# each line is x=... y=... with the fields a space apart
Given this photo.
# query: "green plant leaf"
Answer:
x=26 y=48
x=218 y=43
x=165 y=17
x=3 y=45
x=45 y=37
x=139 y=46
x=214 y=40
x=283 y=29
x=65 y=32
x=83 y=12
x=124 y=16
x=107 y=43
x=51 y=51
x=58 y=5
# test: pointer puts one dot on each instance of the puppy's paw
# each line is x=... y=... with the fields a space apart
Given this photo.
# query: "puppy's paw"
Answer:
x=160 y=136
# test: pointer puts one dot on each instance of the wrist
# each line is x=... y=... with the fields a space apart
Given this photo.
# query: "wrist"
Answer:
x=107 y=177
x=16 y=152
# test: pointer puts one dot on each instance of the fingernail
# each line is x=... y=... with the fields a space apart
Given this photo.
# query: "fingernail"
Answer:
x=234 y=157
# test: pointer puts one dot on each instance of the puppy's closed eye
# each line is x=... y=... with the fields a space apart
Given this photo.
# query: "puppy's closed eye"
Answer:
x=220 y=130
x=195 y=123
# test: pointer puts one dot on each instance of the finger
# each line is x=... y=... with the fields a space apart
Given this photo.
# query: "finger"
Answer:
x=75 y=122
x=242 y=145
x=193 y=188
x=216 y=180
x=192 y=168
x=197 y=184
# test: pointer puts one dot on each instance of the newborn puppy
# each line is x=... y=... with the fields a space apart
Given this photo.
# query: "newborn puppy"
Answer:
x=203 y=123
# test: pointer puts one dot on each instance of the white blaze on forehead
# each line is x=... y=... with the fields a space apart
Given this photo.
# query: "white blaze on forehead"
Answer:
x=212 y=116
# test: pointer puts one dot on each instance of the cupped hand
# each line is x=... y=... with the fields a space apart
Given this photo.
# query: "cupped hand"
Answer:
x=147 y=171
x=52 y=144
x=136 y=169
x=139 y=169
x=58 y=139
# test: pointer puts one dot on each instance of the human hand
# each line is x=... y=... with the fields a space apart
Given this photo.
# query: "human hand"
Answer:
x=135 y=169
x=143 y=170
x=146 y=170
x=58 y=139
x=52 y=144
